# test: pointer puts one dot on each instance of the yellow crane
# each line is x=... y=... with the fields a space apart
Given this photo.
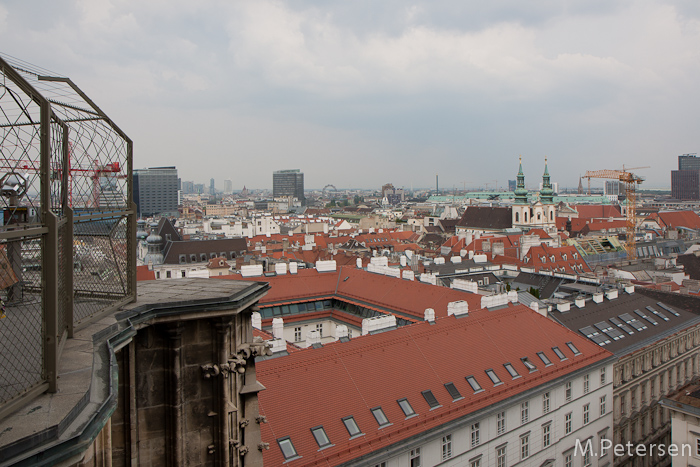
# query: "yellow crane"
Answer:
x=629 y=181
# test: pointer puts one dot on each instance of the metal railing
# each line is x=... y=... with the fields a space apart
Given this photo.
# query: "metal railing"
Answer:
x=67 y=223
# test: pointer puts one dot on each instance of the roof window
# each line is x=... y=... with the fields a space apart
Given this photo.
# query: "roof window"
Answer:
x=287 y=448
x=544 y=358
x=380 y=417
x=454 y=392
x=512 y=371
x=494 y=377
x=559 y=353
x=351 y=426
x=406 y=407
x=321 y=437
x=474 y=384
x=573 y=348
x=430 y=399
x=530 y=366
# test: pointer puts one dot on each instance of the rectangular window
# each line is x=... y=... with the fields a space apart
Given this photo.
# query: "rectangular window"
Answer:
x=287 y=448
x=183 y=273
x=380 y=417
x=168 y=274
x=501 y=457
x=697 y=447
x=524 y=446
x=452 y=389
x=528 y=364
x=475 y=463
x=603 y=410
x=512 y=371
x=446 y=447
x=559 y=353
x=586 y=385
x=415 y=457
x=602 y=376
x=430 y=399
x=524 y=412
x=567 y=423
x=319 y=328
x=297 y=334
x=569 y=460
x=546 y=435
x=545 y=402
x=573 y=348
x=494 y=377
x=475 y=434
x=623 y=402
x=544 y=358
x=568 y=391
x=474 y=384
x=321 y=437
x=501 y=422
x=406 y=407
x=586 y=414
x=351 y=426
x=586 y=459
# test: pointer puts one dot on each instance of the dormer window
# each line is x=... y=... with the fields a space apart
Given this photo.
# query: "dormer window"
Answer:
x=530 y=366
x=494 y=377
x=573 y=348
x=351 y=426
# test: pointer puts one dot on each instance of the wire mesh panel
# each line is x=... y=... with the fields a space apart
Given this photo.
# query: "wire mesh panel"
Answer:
x=63 y=231
x=100 y=266
x=21 y=351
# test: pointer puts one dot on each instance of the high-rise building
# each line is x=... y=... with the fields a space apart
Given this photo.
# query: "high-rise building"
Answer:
x=288 y=183
x=188 y=186
x=228 y=187
x=688 y=162
x=212 y=188
x=155 y=191
x=685 y=182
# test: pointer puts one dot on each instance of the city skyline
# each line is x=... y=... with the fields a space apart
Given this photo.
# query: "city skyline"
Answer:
x=401 y=94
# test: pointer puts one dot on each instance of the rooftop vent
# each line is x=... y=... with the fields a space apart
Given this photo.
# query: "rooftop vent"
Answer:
x=456 y=259
x=429 y=315
x=256 y=320
x=293 y=268
x=313 y=337
x=611 y=294
x=341 y=331
x=580 y=301
x=278 y=328
x=281 y=268
x=564 y=306
x=458 y=308
x=439 y=260
x=409 y=275
x=278 y=345
x=378 y=323
x=598 y=297
x=253 y=270
x=325 y=266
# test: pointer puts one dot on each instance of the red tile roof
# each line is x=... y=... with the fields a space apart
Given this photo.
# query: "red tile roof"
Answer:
x=144 y=274
x=597 y=211
x=673 y=219
x=405 y=297
x=563 y=259
x=318 y=387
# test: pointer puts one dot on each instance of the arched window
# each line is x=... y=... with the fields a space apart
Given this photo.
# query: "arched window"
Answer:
x=525 y=216
x=517 y=216
x=551 y=215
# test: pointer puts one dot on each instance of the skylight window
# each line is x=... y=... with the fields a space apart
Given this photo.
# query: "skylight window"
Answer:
x=474 y=384
x=512 y=371
x=530 y=366
x=380 y=417
x=287 y=448
x=321 y=437
x=573 y=348
x=430 y=399
x=494 y=377
x=351 y=426
x=406 y=407
x=544 y=358
x=559 y=353
x=452 y=389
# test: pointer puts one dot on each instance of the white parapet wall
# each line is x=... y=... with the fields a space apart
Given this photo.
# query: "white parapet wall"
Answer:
x=458 y=308
x=378 y=322
x=252 y=270
x=465 y=284
x=325 y=266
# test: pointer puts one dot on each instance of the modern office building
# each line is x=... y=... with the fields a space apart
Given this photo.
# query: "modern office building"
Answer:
x=228 y=187
x=288 y=183
x=156 y=191
x=685 y=182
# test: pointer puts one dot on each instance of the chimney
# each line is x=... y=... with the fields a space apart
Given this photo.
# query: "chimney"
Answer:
x=429 y=315
x=563 y=307
x=629 y=288
x=278 y=328
x=611 y=294
x=458 y=308
x=313 y=337
x=580 y=301
x=256 y=320
x=341 y=331
x=293 y=268
x=281 y=268
x=598 y=297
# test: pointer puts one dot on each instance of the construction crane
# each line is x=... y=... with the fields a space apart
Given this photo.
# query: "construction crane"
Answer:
x=630 y=181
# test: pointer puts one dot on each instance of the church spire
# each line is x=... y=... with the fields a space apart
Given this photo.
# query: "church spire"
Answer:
x=546 y=193
x=520 y=191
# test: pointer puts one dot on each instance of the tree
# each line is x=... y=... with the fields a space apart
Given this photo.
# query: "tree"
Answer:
x=535 y=292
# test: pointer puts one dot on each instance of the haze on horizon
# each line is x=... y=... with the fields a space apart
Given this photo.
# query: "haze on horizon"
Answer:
x=358 y=94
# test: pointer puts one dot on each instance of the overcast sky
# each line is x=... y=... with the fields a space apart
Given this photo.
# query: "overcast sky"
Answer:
x=364 y=92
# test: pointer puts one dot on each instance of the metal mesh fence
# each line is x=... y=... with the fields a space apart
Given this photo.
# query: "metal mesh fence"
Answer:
x=62 y=274
x=21 y=351
x=100 y=266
